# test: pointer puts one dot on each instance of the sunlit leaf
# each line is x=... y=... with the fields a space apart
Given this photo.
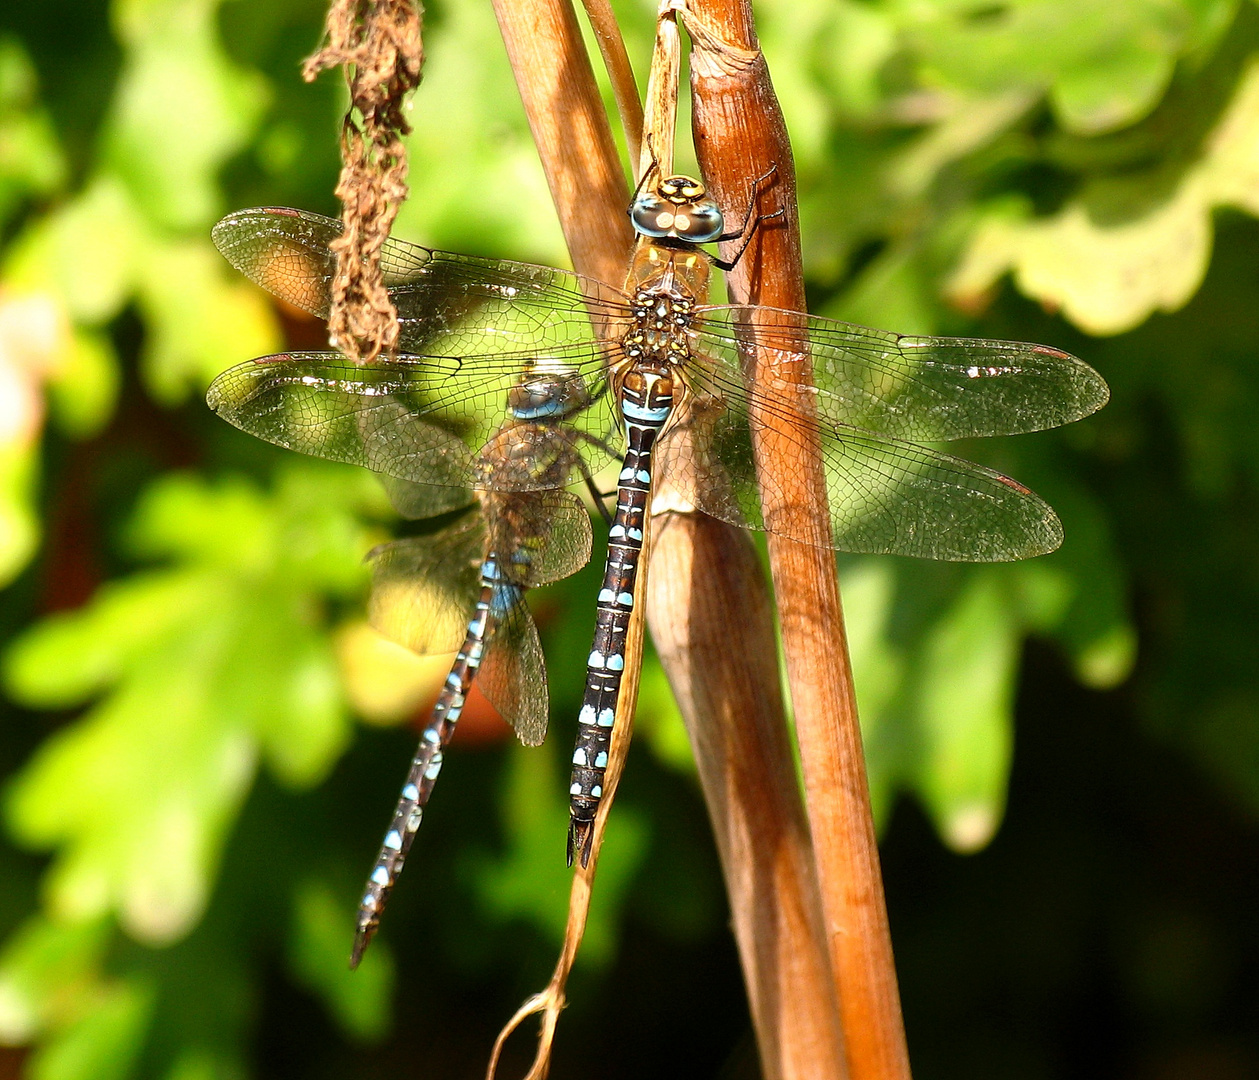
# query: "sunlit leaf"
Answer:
x=87 y=253
x=384 y=681
x=103 y=1044
x=966 y=711
x=83 y=392
x=1109 y=272
x=181 y=109
x=202 y=667
x=31 y=161
x=48 y=975
x=203 y=318
x=19 y=526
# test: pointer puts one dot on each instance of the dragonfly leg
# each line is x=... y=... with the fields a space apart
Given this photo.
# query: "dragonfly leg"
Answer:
x=600 y=497
x=752 y=220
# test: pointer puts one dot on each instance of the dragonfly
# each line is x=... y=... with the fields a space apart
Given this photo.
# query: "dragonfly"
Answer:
x=526 y=533
x=663 y=365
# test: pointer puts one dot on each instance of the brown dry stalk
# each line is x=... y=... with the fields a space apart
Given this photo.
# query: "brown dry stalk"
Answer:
x=571 y=130
x=739 y=134
x=733 y=708
x=616 y=60
x=712 y=621
x=378 y=44
x=578 y=154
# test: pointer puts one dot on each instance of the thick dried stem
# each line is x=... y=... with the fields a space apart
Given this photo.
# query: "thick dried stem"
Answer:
x=574 y=138
x=712 y=621
x=739 y=135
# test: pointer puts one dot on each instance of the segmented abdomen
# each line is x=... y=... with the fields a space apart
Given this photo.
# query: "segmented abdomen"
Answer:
x=427 y=763
x=646 y=401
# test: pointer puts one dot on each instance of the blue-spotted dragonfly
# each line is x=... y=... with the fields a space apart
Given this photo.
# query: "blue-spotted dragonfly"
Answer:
x=660 y=362
x=461 y=587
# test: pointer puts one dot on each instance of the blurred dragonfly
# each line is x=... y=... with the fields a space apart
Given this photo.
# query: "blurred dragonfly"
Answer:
x=659 y=362
x=461 y=587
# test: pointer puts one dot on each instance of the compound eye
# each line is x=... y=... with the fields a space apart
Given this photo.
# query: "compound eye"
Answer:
x=703 y=222
x=652 y=216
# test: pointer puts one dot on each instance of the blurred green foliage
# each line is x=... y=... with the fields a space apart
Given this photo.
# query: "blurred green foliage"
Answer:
x=189 y=807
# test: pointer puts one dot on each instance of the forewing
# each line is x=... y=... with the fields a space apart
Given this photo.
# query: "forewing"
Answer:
x=424 y=588
x=513 y=673
x=916 y=388
x=425 y=419
x=446 y=302
x=540 y=536
x=885 y=496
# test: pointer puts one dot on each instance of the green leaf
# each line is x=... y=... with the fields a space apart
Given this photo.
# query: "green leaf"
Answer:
x=878 y=664
x=48 y=975
x=19 y=526
x=966 y=712
x=659 y=720
x=202 y=668
x=474 y=124
x=530 y=882
x=31 y=162
x=84 y=388
x=104 y=1044
x=87 y=253
x=1110 y=271
x=1105 y=66
x=203 y=318
x=181 y=109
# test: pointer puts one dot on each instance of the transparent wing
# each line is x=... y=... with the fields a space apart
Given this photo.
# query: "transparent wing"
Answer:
x=885 y=496
x=916 y=388
x=446 y=302
x=418 y=501
x=429 y=419
x=540 y=536
x=424 y=588
x=512 y=673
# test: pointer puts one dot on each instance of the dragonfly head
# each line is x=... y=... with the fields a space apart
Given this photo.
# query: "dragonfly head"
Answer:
x=679 y=208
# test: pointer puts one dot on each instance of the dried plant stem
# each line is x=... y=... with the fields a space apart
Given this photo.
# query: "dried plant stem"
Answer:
x=578 y=154
x=712 y=621
x=378 y=44
x=550 y=1002
x=662 y=97
x=617 y=61
x=739 y=134
x=570 y=127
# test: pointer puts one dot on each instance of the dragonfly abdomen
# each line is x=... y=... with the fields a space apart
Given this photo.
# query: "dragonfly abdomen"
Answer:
x=646 y=403
x=427 y=763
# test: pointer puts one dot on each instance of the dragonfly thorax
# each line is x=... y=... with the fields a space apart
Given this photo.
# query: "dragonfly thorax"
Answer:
x=548 y=395
x=661 y=331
